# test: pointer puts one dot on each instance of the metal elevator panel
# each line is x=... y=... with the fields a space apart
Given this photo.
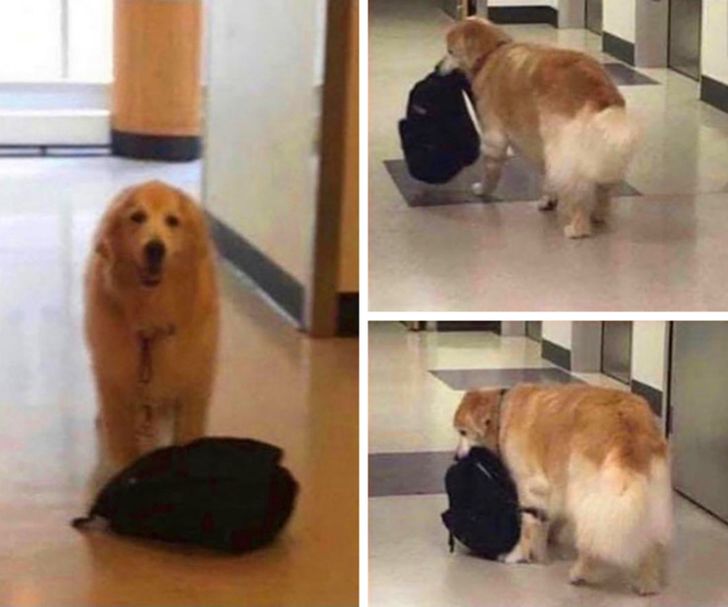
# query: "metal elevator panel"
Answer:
x=684 y=37
x=534 y=329
x=699 y=402
x=617 y=350
x=594 y=15
x=451 y=7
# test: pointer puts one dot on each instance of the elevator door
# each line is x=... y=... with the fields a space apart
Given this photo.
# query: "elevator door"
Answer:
x=699 y=401
x=451 y=7
x=594 y=16
x=617 y=350
x=684 y=44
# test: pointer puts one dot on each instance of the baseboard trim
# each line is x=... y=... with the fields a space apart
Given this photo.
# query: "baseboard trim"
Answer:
x=280 y=286
x=155 y=147
x=524 y=14
x=618 y=47
x=469 y=325
x=653 y=396
x=347 y=324
x=714 y=92
x=556 y=354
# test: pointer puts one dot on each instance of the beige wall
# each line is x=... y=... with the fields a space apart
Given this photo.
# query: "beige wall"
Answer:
x=714 y=51
x=619 y=18
x=649 y=351
x=557 y=332
x=260 y=171
x=349 y=259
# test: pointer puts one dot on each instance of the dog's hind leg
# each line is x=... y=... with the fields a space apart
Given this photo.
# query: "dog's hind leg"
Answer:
x=650 y=572
x=600 y=214
x=579 y=200
x=495 y=152
x=586 y=570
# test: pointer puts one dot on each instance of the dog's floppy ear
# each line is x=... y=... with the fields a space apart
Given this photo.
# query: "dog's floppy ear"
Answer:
x=110 y=223
x=194 y=220
x=480 y=38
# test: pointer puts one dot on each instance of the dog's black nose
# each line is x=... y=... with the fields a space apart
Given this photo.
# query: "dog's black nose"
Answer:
x=154 y=252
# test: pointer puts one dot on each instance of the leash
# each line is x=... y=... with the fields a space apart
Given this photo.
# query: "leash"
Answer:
x=146 y=340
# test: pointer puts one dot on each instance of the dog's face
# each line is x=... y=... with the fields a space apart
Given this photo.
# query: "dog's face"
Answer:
x=149 y=230
x=470 y=41
x=476 y=420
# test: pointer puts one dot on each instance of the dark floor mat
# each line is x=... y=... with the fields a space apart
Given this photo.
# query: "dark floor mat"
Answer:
x=518 y=183
x=469 y=379
x=409 y=473
x=623 y=75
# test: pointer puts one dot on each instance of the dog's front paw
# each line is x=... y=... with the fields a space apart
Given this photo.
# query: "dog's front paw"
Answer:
x=576 y=231
x=478 y=188
x=514 y=557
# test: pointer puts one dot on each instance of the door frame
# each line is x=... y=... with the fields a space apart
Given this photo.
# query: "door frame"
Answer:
x=601 y=352
x=700 y=41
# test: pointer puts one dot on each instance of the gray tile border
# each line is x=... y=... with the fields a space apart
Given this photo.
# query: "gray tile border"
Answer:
x=418 y=473
x=469 y=379
x=519 y=183
x=623 y=75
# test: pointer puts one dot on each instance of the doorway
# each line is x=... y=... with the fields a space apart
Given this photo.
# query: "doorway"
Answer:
x=534 y=329
x=594 y=11
x=698 y=385
x=617 y=350
x=684 y=37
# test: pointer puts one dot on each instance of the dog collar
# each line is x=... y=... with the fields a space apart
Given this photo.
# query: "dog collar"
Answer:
x=483 y=59
x=146 y=338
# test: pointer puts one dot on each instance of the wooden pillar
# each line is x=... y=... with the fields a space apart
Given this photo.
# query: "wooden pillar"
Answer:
x=156 y=94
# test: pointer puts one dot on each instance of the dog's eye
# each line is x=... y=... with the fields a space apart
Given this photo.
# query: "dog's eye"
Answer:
x=462 y=432
x=172 y=221
x=138 y=217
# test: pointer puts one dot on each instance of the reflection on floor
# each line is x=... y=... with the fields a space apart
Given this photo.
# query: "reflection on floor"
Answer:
x=411 y=444
x=274 y=384
x=662 y=250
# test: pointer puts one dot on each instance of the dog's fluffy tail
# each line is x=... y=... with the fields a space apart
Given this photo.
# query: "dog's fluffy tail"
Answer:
x=596 y=147
x=620 y=513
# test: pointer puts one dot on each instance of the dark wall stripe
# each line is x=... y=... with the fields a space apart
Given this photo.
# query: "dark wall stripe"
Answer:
x=347 y=324
x=714 y=92
x=468 y=325
x=524 y=14
x=556 y=354
x=618 y=47
x=283 y=288
x=155 y=147
x=652 y=395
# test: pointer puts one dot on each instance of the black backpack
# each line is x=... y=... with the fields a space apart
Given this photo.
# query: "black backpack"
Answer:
x=225 y=493
x=438 y=136
x=484 y=514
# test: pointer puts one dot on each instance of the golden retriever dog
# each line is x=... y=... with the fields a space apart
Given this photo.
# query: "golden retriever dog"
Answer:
x=558 y=108
x=589 y=458
x=151 y=321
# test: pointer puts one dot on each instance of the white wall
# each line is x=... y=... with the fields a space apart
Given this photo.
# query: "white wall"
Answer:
x=557 y=332
x=619 y=18
x=649 y=348
x=260 y=169
x=714 y=50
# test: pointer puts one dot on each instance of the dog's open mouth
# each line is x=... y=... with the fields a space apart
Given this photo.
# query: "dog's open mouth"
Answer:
x=150 y=277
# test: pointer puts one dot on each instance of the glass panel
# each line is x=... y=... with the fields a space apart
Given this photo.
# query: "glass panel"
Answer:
x=30 y=40
x=90 y=40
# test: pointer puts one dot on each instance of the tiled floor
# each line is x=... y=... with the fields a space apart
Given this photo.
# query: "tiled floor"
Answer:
x=274 y=384
x=661 y=251
x=411 y=444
